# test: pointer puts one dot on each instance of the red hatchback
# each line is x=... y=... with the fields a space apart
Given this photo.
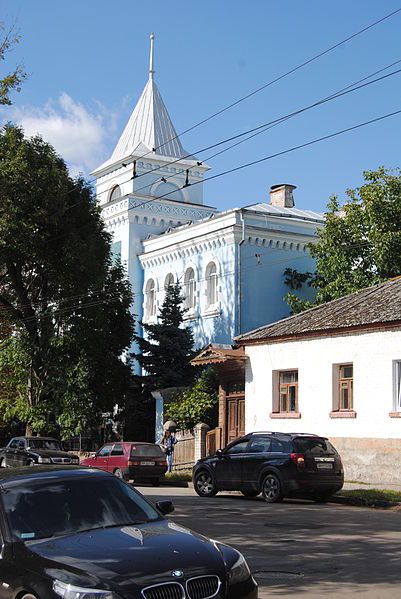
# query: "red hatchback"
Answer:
x=141 y=462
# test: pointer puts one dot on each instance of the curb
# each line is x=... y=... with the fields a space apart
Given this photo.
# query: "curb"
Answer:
x=359 y=502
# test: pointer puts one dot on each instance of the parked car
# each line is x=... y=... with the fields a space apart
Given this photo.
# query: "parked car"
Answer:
x=141 y=462
x=29 y=451
x=277 y=465
x=81 y=533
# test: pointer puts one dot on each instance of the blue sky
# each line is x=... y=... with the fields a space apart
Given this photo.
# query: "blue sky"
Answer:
x=88 y=62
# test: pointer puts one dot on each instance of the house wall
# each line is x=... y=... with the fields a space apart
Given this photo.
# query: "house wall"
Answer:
x=262 y=280
x=216 y=324
x=370 y=443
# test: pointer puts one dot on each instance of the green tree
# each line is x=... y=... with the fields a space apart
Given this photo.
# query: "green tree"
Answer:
x=13 y=79
x=199 y=403
x=167 y=346
x=360 y=243
x=64 y=299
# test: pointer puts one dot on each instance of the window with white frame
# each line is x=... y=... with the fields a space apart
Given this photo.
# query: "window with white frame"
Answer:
x=150 y=304
x=211 y=285
x=397 y=385
x=189 y=289
x=169 y=280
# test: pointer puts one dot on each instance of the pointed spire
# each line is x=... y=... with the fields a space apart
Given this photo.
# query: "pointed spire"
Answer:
x=151 y=69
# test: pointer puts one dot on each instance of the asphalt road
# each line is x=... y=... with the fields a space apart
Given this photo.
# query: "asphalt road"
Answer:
x=298 y=547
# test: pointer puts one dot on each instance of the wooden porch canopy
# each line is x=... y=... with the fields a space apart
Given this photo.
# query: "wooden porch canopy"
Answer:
x=219 y=355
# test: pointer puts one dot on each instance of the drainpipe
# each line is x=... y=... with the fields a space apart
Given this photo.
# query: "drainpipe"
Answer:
x=239 y=273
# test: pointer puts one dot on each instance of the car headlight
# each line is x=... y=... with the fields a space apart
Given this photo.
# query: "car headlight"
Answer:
x=44 y=460
x=240 y=571
x=69 y=591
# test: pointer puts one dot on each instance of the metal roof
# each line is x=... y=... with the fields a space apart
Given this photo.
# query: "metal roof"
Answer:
x=270 y=210
x=149 y=125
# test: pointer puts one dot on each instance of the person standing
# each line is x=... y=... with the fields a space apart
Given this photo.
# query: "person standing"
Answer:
x=168 y=441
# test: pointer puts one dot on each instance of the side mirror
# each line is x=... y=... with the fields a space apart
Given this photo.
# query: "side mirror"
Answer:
x=219 y=454
x=165 y=507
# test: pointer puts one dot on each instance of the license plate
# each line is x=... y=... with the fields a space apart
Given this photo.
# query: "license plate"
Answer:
x=324 y=466
x=147 y=463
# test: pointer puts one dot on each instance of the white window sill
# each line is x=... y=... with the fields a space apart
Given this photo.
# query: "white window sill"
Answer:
x=212 y=311
x=190 y=315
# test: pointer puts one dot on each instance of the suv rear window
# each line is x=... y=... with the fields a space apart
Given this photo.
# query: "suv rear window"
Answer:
x=147 y=451
x=314 y=446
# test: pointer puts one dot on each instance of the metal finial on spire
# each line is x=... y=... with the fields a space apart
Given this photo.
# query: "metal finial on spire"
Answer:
x=151 y=69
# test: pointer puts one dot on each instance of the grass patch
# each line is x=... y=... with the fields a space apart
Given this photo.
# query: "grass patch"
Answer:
x=368 y=496
x=179 y=476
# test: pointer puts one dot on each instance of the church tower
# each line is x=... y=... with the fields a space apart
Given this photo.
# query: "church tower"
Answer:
x=149 y=184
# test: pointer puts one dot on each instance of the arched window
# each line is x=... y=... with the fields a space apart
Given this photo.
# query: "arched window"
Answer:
x=115 y=193
x=169 y=280
x=189 y=289
x=211 y=285
x=150 y=304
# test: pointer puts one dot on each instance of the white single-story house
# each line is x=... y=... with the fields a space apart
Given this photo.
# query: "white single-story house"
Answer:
x=334 y=370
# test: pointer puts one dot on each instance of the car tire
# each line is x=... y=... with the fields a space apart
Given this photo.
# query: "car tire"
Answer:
x=250 y=493
x=28 y=596
x=272 y=490
x=204 y=484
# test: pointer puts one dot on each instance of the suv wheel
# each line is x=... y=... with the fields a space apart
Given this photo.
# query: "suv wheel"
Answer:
x=204 y=485
x=271 y=488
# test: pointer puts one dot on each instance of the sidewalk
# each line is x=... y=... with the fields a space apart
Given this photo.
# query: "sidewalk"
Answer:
x=348 y=486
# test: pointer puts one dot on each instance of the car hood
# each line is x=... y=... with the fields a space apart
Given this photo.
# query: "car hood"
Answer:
x=51 y=453
x=126 y=558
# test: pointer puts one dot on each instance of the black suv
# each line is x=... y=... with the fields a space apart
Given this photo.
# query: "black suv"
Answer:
x=275 y=464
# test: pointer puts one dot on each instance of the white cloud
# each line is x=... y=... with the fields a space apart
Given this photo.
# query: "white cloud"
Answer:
x=78 y=134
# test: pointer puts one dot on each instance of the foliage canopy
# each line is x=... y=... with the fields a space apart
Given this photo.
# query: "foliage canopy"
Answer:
x=360 y=244
x=62 y=297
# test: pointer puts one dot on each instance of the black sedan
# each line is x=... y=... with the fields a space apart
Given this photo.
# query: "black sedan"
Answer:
x=81 y=533
x=29 y=451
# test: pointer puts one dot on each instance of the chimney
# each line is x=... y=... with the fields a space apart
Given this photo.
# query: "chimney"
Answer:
x=282 y=196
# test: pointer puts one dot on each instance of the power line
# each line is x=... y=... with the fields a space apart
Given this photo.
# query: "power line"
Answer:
x=115 y=297
x=275 y=80
x=271 y=156
x=265 y=126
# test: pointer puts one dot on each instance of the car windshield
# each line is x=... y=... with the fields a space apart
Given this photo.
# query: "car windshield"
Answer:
x=153 y=451
x=50 y=444
x=314 y=446
x=51 y=507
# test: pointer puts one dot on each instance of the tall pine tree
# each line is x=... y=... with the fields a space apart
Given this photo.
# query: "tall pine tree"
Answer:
x=167 y=347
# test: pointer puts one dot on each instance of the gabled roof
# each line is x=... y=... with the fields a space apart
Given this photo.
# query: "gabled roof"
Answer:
x=214 y=354
x=149 y=127
x=371 y=307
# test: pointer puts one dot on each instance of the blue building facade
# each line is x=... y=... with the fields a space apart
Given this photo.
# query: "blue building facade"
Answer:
x=230 y=264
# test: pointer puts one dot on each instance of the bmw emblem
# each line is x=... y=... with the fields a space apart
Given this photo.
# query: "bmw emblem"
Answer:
x=177 y=573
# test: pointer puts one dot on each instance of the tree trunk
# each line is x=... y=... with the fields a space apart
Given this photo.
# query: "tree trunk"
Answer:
x=28 y=430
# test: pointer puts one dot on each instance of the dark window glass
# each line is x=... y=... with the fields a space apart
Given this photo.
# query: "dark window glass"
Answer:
x=55 y=508
x=105 y=451
x=117 y=449
x=238 y=448
x=21 y=444
x=314 y=446
x=13 y=444
x=153 y=451
x=50 y=444
x=259 y=444
x=281 y=445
